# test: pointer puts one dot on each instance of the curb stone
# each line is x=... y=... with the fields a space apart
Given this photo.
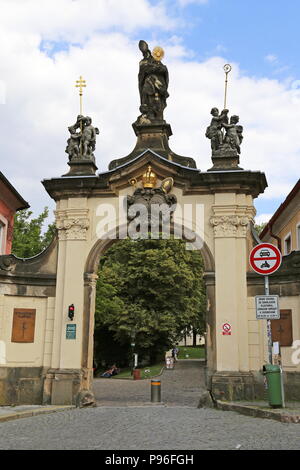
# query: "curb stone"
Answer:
x=38 y=411
x=256 y=412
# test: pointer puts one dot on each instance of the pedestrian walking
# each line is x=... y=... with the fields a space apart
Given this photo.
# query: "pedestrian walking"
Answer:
x=175 y=352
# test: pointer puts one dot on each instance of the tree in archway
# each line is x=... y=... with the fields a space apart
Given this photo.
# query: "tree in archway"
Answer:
x=152 y=289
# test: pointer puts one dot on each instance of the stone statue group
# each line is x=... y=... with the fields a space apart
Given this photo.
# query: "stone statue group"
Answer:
x=223 y=133
x=82 y=141
x=153 y=78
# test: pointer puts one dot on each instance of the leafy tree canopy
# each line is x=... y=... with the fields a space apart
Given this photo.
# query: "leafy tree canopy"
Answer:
x=28 y=237
x=152 y=287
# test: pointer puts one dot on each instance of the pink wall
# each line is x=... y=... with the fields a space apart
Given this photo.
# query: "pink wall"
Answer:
x=8 y=214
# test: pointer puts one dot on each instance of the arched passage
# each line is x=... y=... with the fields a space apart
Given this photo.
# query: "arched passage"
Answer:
x=90 y=280
x=68 y=275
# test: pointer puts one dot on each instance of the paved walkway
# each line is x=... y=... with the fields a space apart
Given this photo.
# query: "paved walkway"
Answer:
x=181 y=386
x=124 y=420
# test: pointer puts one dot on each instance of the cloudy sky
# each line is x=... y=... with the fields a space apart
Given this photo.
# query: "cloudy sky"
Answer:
x=46 y=46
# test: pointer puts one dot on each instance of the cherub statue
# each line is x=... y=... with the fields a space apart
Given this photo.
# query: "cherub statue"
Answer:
x=82 y=141
x=234 y=136
x=214 y=131
x=73 y=143
x=88 y=138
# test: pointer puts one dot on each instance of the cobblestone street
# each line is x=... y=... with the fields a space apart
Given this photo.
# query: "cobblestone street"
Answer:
x=124 y=420
x=180 y=386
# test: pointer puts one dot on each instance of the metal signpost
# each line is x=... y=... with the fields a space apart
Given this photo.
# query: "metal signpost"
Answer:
x=265 y=259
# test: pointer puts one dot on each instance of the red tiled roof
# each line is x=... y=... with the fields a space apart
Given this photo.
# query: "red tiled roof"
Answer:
x=20 y=203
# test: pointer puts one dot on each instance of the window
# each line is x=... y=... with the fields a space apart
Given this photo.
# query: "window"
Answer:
x=282 y=329
x=2 y=239
x=287 y=244
x=298 y=236
x=3 y=234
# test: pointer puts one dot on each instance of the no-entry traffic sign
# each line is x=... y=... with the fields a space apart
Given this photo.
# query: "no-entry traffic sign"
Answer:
x=265 y=258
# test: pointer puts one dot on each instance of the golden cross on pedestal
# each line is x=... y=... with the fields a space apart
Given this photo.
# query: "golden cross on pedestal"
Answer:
x=80 y=84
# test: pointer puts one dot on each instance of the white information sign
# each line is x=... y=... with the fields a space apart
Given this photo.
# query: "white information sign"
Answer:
x=267 y=307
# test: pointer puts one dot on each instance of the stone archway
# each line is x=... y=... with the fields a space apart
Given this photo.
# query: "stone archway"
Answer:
x=227 y=201
x=59 y=364
x=90 y=280
x=66 y=274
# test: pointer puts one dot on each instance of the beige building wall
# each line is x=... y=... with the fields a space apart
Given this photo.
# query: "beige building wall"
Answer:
x=34 y=354
x=287 y=224
x=257 y=335
x=291 y=228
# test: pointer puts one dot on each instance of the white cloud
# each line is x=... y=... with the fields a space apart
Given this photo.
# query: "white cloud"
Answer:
x=41 y=100
x=220 y=48
x=184 y=3
x=77 y=20
x=262 y=218
x=271 y=58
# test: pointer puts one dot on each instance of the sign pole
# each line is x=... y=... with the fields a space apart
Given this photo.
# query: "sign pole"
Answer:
x=269 y=330
x=265 y=259
x=267 y=286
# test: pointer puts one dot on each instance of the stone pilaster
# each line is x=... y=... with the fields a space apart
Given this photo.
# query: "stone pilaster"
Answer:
x=230 y=224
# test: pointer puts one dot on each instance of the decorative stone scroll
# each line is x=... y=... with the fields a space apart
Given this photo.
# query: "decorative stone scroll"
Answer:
x=7 y=262
x=230 y=225
x=72 y=224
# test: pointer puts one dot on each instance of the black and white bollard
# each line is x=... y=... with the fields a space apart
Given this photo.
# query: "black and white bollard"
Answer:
x=155 y=391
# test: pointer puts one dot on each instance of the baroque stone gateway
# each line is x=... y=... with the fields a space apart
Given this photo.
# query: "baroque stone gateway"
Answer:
x=58 y=369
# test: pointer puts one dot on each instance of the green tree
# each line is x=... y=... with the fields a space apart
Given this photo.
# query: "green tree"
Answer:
x=29 y=240
x=259 y=227
x=152 y=287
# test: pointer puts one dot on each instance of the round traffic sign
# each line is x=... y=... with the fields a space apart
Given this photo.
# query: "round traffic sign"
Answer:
x=265 y=258
x=226 y=329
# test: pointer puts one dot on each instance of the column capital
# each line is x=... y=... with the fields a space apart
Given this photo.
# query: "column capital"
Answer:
x=231 y=221
x=72 y=224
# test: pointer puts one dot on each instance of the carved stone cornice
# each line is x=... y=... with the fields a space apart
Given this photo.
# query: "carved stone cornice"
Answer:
x=231 y=221
x=72 y=224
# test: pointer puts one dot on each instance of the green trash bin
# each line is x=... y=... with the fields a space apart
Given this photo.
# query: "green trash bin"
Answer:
x=273 y=376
